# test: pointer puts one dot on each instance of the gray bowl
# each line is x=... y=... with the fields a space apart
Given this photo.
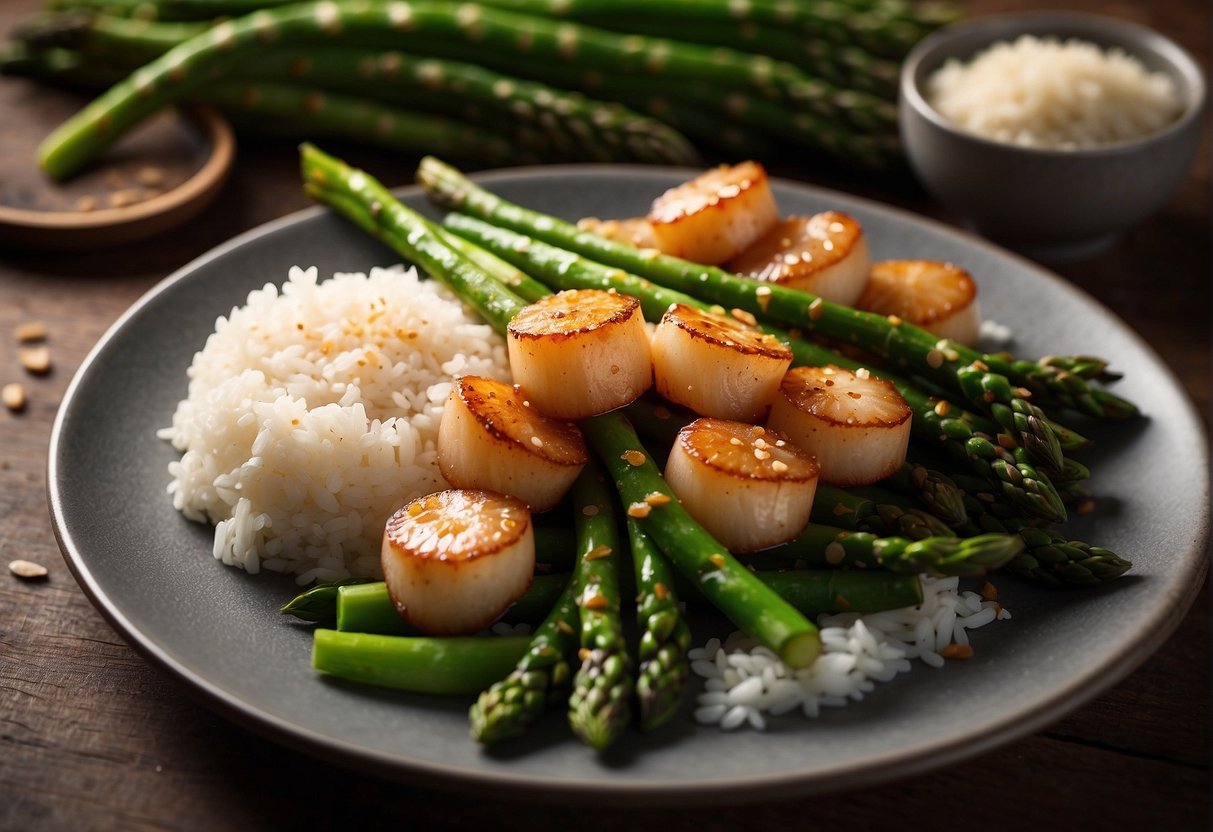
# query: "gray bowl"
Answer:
x=1048 y=203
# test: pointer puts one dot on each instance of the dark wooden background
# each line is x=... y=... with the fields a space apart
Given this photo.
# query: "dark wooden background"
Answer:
x=92 y=737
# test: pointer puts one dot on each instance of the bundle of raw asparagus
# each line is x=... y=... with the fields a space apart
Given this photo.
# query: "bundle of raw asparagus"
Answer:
x=494 y=82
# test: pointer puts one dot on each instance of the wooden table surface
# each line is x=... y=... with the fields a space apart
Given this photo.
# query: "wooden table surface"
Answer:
x=92 y=737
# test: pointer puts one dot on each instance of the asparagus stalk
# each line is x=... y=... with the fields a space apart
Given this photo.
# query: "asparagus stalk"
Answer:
x=973 y=441
x=932 y=488
x=748 y=110
x=493 y=35
x=316 y=112
x=600 y=706
x=832 y=547
x=885 y=28
x=889 y=26
x=508 y=707
x=450 y=666
x=872 y=510
x=665 y=637
x=318 y=604
x=570 y=125
x=816 y=591
x=367 y=608
x=843 y=65
x=1054 y=560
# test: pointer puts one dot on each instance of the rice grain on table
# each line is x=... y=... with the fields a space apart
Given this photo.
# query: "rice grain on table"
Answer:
x=313 y=412
x=743 y=680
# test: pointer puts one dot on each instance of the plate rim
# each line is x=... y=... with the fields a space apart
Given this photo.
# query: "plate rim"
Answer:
x=1028 y=718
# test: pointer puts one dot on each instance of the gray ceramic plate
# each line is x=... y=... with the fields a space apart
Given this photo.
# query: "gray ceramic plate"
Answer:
x=151 y=573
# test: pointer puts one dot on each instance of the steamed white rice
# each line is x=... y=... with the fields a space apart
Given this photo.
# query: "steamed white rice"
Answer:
x=1049 y=93
x=313 y=412
x=745 y=683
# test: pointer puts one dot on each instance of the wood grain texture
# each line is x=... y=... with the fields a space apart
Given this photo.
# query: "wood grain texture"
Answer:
x=92 y=737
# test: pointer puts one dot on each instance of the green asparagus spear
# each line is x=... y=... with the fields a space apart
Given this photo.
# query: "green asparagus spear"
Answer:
x=829 y=546
x=887 y=28
x=367 y=608
x=494 y=36
x=570 y=125
x=600 y=706
x=815 y=591
x=451 y=666
x=317 y=112
x=510 y=706
x=1052 y=559
x=318 y=604
x=665 y=637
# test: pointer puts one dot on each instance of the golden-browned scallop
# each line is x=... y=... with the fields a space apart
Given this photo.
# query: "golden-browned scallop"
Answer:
x=490 y=438
x=454 y=561
x=935 y=295
x=716 y=366
x=746 y=484
x=855 y=426
x=580 y=352
x=635 y=231
x=824 y=254
x=715 y=216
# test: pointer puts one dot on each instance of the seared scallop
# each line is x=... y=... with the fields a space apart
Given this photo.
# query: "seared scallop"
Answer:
x=580 y=352
x=491 y=438
x=716 y=366
x=715 y=216
x=456 y=560
x=824 y=254
x=857 y=427
x=746 y=484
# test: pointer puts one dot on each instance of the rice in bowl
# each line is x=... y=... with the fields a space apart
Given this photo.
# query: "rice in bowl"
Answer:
x=312 y=414
x=1055 y=94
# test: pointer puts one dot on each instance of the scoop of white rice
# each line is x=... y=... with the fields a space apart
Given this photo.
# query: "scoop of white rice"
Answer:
x=1049 y=93
x=313 y=413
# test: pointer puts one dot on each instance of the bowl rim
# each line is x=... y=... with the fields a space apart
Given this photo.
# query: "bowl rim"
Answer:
x=220 y=141
x=996 y=26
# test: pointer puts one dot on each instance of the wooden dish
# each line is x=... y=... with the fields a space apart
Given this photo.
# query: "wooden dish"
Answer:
x=201 y=148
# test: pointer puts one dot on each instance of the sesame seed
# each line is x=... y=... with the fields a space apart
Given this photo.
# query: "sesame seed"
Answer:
x=779 y=466
x=660 y=591
x=656 y=498
x=816 y=308
x=639 y=510
x=718 y=559
x=597 y=601
x=934 y=359
x=598 y=552
x=400 y=15
x=942 y=407
x=835 y=553
x=633 y=458
x=957 y=651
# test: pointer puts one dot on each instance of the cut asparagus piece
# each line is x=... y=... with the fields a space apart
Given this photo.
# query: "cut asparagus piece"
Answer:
x=600 y=706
